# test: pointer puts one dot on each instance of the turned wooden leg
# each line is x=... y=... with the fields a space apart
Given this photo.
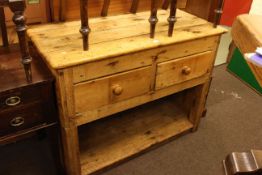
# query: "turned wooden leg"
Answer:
x=172 y=18
x=105 y=8
x=218 y=13
x=134 y=6
x=85 y=30
x=165 y=4
x=18 y=8
x=3 y=27
x=153 y=18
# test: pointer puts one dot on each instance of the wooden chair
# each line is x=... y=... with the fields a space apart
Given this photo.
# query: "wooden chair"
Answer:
x=18 y=8
x=85 y=29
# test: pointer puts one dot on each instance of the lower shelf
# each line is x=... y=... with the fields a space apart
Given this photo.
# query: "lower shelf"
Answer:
x=111 y=140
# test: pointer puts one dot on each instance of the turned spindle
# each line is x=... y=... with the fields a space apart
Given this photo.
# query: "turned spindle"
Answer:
x=153 y=18
x=172 y=17
x=18 y=8
x=165 y=4
x=134 y=6
x=84 y=30
x=105 y=8
x=218 y=12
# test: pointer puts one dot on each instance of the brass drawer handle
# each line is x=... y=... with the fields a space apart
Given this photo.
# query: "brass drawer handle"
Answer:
x=117 y=89
x=17 y=121
x=186 y=70
x=13 y=101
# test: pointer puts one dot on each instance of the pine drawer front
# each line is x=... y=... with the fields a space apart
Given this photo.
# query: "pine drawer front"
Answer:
x=136 y=60
x=20 y=118
x=111 y=66
x=176 y=71
x=100 y=92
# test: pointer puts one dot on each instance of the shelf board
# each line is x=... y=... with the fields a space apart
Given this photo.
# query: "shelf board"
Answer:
x=111 y=140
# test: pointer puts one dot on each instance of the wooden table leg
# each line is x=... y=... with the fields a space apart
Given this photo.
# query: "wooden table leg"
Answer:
x=134 y=6
x=172 y=18
x=3 y=27
x=85 y=30
x=153 y=18
x=71 y=150
x=165 y=4
x=105 y=8
x=18 y=8
x=199 y=101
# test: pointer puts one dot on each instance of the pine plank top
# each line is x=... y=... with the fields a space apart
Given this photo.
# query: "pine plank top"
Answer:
x=246 y=32
x=61 y=44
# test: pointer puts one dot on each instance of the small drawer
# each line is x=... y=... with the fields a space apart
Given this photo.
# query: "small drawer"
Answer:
x=22 y=117
x=94 y=94
x=183 y=69
x=106 y=67
x=18 y=97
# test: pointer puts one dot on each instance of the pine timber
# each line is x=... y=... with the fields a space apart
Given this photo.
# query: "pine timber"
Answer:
x=118 y=137
x=124 y=69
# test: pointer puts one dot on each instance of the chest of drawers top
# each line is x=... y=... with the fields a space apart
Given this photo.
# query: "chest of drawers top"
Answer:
x=61 y=44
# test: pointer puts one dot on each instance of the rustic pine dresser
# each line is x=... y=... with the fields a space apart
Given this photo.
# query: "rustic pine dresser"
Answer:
x=128 y=92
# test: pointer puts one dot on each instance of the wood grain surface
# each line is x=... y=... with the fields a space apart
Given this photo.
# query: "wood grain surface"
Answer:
x=110 y=141
x=61 y=44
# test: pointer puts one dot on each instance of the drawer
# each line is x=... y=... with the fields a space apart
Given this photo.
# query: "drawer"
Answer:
x=183 y=69
x=20 y=118
x=140 y=59
x=21 y=96
x=111 y=66
x=93 y=94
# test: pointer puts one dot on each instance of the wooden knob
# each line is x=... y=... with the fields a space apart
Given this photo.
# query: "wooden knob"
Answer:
x=117 y=89
x=186 y=70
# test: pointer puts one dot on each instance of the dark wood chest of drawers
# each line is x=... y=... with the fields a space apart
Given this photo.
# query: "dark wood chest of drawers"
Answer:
x=24 y=107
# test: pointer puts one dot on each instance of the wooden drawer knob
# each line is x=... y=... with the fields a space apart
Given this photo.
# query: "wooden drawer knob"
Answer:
x=186 y=70
x=117 y=89
x=17 y=121
x=13 y=101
